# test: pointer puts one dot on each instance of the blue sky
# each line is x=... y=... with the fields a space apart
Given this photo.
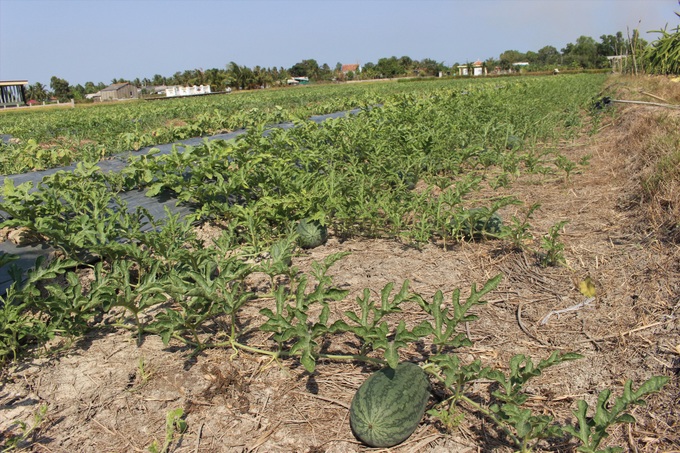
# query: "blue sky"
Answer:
x=99 y=40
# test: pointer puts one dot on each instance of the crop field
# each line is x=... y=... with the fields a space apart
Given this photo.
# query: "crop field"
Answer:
x=485 y=230
x=45 y=139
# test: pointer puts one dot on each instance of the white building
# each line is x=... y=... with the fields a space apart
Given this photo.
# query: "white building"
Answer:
x=477 y=68
x=186 y=91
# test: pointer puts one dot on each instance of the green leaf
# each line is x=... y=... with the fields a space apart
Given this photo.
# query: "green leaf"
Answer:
x=625 y=418
x=308 y=361
x=155 y=189
x=391 y=355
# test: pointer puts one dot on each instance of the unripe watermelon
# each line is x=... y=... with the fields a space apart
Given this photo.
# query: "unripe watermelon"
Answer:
x=479 y=223
x=513 y=142
x=388 y=407
x=311 y=233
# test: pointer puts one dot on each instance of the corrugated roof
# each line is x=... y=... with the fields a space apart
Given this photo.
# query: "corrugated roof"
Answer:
x=115 y=86
x=8 y=83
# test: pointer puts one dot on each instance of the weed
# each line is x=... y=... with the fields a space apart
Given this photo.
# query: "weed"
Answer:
x=174 y=423
x=552 y=248
x=566 y=165
x=519 y=232
x=27 y=432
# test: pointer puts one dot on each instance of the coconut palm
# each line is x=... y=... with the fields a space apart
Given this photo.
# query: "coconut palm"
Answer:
x=241 y=76
x=37 y=92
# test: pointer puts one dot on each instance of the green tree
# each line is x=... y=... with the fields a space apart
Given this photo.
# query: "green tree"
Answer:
x=61 y=88
x=583 y=53
x=262 y=77
x=548 y=55
x=406 y=63
x=37 y=92
x=368 y=71
x=280 y=75
x=532 y=57
x=611 y=45
x=509 y=57
x=216 y=78
x=78 y=92
x=306 y=68
x=325 y=72
x=390 y=67
x=430 y=67
x=239 y=76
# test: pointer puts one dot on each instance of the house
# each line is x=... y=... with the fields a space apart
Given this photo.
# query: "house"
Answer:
x=477 y=68
x=617 y=62
x=96 y=97
x=119 y=91
x=298 y=81
x=12 y=92
x=173 y=91
x=346 y=68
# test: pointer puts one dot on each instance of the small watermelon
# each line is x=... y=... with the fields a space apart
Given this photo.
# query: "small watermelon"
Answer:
x=480 y=223
x=389 y=405
x=311 y=233
x=409 y=179
x=513 y=142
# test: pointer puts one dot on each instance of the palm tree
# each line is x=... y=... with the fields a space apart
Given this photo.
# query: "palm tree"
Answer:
x=241 y=76
x=37 y=92
x=215 y=78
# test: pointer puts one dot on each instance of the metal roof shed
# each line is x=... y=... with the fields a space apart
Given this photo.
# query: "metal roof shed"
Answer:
x=12 y=92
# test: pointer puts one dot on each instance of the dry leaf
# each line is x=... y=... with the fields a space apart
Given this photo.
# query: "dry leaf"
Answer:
x=587 y=287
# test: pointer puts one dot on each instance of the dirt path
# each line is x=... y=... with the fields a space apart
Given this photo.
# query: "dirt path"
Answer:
x=105 y=393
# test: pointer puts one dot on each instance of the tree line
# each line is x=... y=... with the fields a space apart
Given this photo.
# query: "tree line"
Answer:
x=636 y=55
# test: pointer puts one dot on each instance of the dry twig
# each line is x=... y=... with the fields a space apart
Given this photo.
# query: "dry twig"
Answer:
x=578 y=306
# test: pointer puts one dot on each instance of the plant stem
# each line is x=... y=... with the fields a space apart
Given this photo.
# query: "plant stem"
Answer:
x=487 y=413
x=430 y=368
x=359 y=357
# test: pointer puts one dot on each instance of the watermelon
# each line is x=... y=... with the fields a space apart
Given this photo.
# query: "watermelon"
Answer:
x=409 y=179
x=311 y=233
x=513 y=142
x=479 y=223
x=389 y=405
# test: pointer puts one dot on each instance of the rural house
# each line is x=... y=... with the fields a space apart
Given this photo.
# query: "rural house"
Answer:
x=346 y=68
x=477 y=68
x=119 y=91
x=172 y=91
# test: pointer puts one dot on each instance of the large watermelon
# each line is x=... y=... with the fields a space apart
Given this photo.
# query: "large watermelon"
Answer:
x=311 y=233
x=388 y=407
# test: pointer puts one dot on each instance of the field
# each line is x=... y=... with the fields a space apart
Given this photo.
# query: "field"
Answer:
x=46 y=139
x=517 y=238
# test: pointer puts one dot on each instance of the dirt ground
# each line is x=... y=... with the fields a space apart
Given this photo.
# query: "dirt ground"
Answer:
x=107 y=394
